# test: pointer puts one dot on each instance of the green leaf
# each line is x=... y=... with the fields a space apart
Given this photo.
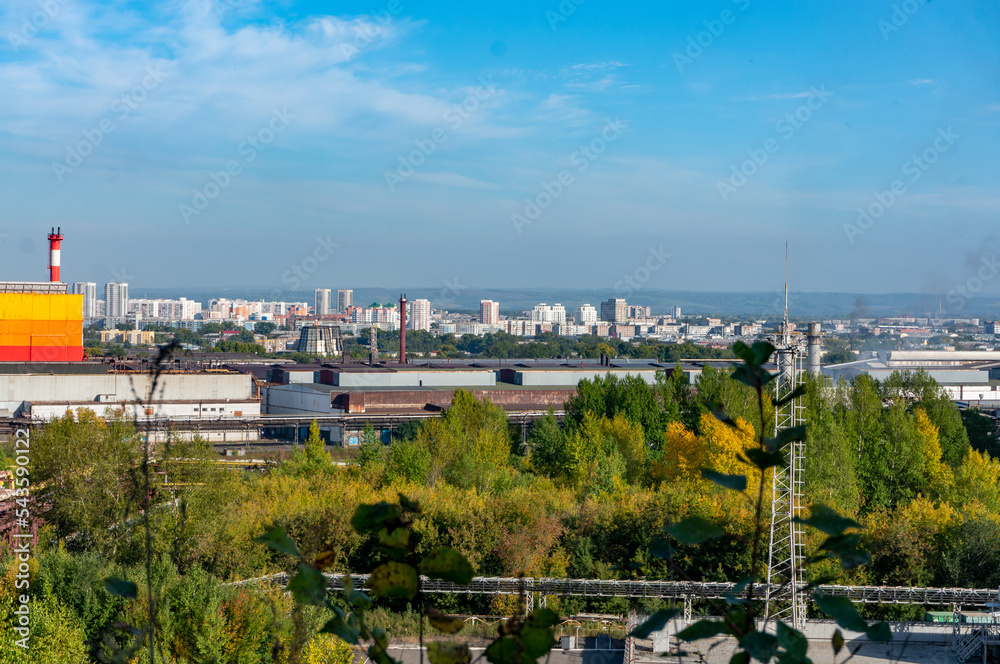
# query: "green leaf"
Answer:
x=341 y=629
x=703 y=629
x=742 y=584
x=827 y=520
x=765 y=460
x=655 y=623
x=660 y=548
x=277 y=539
x=380 y=656
x=719 y=414
x=503 y=651
x=842 y=611
x=394 y=579
x=407 y=505
x=744 y=352
x=397 y=538
x=740 y=657
x=880 y=631
x=695 y=530
x=536 y=641
x=846 y=547
x=794 y=394
x=761 y=645
x=542 y=617
x=359 y=600
x=372 y=518
x=762 y=351
x=734 y=482
x=308 y=586
x=790 y=434
x=792 y=640
x=443 y=623
x=448 y=565
x=837 y=641
x=121 y=588
x=443 y=652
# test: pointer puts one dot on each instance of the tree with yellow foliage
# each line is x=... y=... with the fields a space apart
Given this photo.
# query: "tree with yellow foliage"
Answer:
x=977 y=480
x=937 y=473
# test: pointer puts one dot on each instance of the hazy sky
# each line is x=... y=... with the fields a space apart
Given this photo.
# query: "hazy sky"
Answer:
x=503 y=144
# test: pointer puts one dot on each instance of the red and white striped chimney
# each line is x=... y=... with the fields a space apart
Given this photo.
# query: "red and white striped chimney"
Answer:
x=55 y=237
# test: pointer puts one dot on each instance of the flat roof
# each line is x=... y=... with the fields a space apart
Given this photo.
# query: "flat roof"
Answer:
x=50 y=287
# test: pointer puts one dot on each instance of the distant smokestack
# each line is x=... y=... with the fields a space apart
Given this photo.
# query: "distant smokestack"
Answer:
x=55 y=237
x=815 y=345
x=402 y=329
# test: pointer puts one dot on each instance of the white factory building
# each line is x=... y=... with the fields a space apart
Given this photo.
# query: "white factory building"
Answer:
x=215 y=397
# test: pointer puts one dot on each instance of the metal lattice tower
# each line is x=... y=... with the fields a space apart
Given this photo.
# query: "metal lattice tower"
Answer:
x=785 y=555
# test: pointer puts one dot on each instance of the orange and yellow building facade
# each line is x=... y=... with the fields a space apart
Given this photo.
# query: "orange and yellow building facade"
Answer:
x=41 y=327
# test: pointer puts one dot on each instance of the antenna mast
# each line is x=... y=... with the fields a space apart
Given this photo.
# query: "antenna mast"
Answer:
x=785 y=561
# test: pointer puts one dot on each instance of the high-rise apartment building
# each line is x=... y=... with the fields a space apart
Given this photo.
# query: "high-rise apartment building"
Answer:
x=614 y=310
x=116 y=300
x=675 y=312
x=321 y=303
x=420 y=315
x=586 y=314
x=489 y=312
x=549 y=314
x=88 y=289
x=345 y=299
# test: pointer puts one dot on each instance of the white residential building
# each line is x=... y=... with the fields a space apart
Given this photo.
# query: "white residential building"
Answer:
x=420 y=315
x=544 y=313
x=116 y=300
x=88 y=289
x=321 y=301
x=586 y=315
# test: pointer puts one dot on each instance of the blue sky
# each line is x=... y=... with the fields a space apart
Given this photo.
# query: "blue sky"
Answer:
x=419 y=137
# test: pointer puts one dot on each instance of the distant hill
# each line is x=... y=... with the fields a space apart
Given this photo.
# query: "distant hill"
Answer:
x=755 y=304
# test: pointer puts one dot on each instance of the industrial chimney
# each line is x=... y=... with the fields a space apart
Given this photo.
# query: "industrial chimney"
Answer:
x=402 y=329
x=55 y=237
x=815 y=345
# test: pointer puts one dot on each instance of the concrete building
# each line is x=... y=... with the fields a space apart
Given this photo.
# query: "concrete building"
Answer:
x=321 y=301
x=88 y=289
x=489 y=312
x=116 y=300
x=420 y=315
x=216 y=396
x=614 y=310
x=586 y=314
x=134 y=337
x=544 y=313
x=182 y=309
x=675 y=312
x=345 y=299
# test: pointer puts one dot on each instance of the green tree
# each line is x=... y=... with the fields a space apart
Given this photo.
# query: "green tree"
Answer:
x=629 y=396
x=407 y=461
x=264 y=327
x=371 y=450
x=233 y=346
x=982 y=432
x=831 y=475
x=918 y=389
x=469 y=446
x=85 y=469
x=549 y=453
x=313 y=458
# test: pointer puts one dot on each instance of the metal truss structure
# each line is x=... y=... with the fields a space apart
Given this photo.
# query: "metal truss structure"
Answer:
x=674 y=590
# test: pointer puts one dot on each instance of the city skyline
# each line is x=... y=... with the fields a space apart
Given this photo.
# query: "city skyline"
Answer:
x=638 y=123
